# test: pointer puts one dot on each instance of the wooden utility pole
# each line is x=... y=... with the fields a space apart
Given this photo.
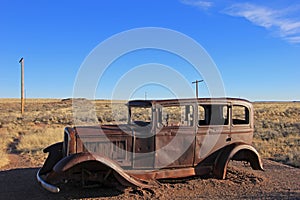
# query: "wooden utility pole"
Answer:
x=22 y=86
x=196 y=82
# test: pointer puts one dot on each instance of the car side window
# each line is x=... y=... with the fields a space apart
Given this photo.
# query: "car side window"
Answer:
x=212 y=115
x=177 y=115
x=240 y=115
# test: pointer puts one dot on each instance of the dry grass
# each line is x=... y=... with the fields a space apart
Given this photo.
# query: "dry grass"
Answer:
x=277 y=131
x=6 y=138
x=282 y=149
x=4 y=141
x=277 y=126
x=39 y=140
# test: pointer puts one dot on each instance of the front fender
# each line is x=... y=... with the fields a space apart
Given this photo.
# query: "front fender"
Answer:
x=240 y=152
x=71 y=161
x=55 y=155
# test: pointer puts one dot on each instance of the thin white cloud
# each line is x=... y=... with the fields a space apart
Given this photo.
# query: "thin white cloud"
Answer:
x=293 y=39
x=279 y=22
x=198 y=4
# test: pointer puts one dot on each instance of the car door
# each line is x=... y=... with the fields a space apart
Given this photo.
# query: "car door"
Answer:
x=213 y=128
x=142 y=137
x=175 y=136
x=241 y=123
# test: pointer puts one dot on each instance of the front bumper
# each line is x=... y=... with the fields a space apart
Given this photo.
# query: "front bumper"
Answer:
x=44 y=184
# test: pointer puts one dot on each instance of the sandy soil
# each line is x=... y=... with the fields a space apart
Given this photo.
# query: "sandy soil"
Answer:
x=278 y=181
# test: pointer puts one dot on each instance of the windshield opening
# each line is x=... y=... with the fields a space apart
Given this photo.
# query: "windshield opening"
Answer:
x=140 y=116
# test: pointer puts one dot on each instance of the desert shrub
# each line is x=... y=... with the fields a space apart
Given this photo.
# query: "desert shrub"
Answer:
x=277 y=131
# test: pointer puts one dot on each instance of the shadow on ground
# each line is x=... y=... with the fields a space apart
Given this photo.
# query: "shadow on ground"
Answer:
x=22 y=184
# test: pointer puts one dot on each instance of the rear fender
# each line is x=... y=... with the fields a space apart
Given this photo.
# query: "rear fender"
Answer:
x=240 y=152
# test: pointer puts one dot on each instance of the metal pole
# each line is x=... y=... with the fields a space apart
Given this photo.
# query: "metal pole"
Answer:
x=22 y=86
x=197 y=90
x=197 y=81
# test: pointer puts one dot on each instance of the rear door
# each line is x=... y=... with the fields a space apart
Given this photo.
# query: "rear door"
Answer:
x=242 y=123
x=213 y=128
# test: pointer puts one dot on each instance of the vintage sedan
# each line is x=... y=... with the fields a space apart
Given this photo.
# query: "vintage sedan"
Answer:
x=161 y=139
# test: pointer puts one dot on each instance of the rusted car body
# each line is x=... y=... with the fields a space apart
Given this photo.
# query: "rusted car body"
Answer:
x=162 y=139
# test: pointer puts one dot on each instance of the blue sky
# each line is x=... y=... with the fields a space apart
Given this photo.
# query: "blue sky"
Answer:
x=255 y=44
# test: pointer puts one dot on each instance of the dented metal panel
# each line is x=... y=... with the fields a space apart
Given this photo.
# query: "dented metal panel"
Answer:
x=179 y=138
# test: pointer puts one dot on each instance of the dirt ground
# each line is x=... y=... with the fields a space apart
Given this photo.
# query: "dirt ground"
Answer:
x=278 y=181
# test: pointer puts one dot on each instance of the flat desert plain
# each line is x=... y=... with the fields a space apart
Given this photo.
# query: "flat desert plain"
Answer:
x=23 y=137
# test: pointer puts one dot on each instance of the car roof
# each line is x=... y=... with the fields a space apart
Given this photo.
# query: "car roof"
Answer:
x=148 y=103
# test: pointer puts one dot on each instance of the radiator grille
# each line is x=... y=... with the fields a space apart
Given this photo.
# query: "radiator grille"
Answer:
x=115 y=150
